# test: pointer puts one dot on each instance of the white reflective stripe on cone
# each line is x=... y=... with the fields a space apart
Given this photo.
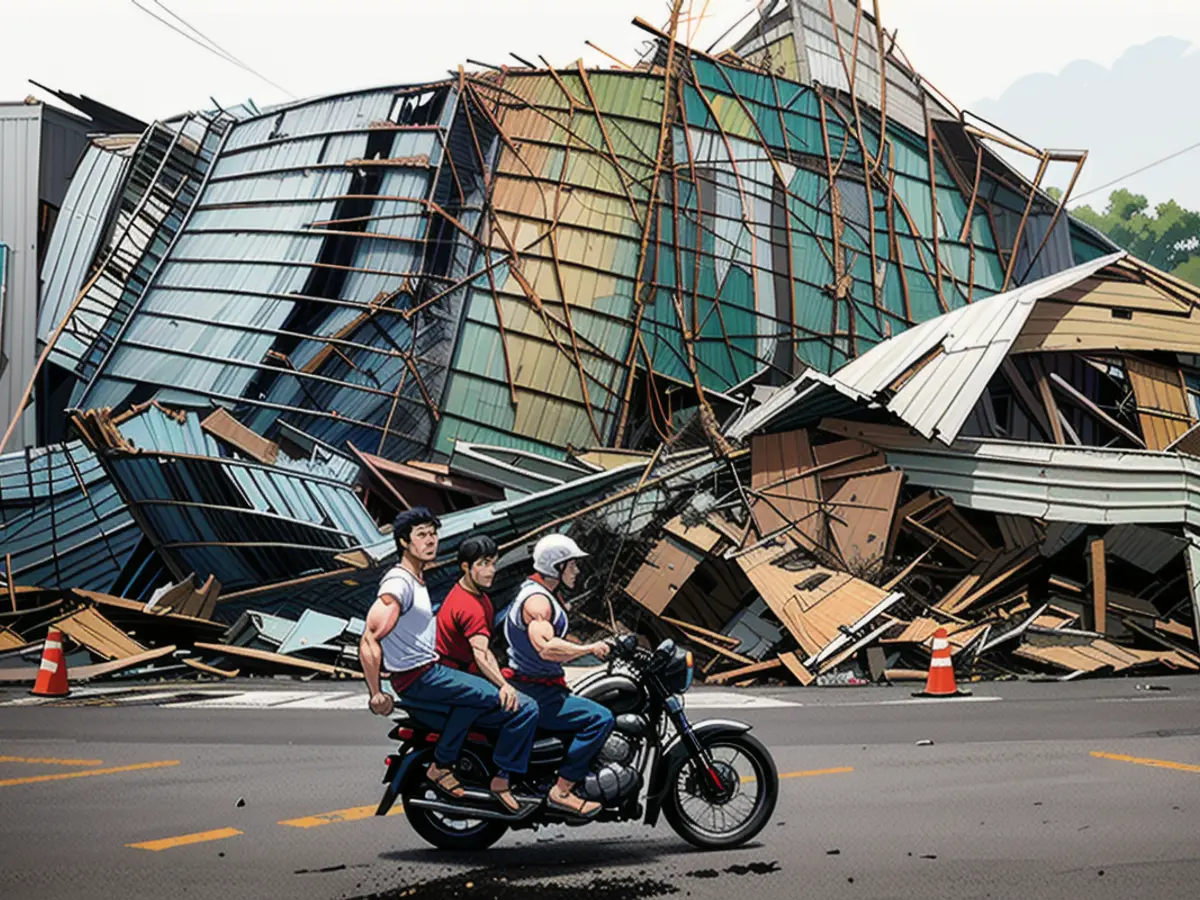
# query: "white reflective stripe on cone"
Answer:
x=49 y=665
x=940 y=644
x=943 y=663
x=53 y=645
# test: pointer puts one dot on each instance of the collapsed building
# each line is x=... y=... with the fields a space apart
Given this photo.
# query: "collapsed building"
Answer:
x=708 y=312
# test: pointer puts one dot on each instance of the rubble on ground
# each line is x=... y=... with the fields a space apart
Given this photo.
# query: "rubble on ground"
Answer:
x=780 y=339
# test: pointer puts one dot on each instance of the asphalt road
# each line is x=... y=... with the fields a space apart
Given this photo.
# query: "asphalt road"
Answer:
x=1010 y=800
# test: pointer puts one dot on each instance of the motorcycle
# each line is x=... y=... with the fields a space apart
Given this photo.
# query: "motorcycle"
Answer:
x=713 y=782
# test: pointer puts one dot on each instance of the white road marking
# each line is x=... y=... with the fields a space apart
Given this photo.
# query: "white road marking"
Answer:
x=912 y=702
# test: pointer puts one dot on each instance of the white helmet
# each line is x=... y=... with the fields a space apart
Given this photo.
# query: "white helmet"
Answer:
x=552 y=551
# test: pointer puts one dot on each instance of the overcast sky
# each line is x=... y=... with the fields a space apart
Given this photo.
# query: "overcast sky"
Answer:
x=109 y=49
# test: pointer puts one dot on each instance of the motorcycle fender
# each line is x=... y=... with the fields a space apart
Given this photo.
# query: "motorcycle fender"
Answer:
x=666 y=768
x=402 y=764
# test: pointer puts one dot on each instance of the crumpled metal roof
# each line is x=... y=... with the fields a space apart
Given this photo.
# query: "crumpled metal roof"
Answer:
x=954 y=357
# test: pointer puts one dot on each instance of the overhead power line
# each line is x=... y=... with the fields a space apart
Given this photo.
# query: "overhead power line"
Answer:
x=1144 y=168
x=200 y=39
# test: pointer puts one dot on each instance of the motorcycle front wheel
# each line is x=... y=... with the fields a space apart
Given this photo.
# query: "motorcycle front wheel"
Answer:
x=750 y=789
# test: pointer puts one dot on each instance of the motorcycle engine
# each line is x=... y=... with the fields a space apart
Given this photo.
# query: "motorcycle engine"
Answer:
x=612 y=783
x=617 y=749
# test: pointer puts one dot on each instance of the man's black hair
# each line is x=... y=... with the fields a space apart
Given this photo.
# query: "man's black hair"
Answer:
x=409 y=519
x=476 y=548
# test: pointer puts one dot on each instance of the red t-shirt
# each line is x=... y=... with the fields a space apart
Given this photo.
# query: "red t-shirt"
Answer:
x=462 y=616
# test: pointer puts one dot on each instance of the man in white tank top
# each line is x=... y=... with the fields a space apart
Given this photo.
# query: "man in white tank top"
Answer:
x=400 y=637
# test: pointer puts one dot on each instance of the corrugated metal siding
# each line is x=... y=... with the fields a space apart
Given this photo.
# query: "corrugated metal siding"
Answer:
x=20 y=147
x=64 y=139
x=77 y=234
x=1060 y=484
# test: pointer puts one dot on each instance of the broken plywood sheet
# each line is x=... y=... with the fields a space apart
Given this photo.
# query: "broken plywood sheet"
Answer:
x=702 y=537
x=1019 y=532
x=860 y=519
x=814 y=603
x=90 y=629
x=1161 y=400
x=840 y=460
x=1092 y=655
x=784 y=495
x=667 y=568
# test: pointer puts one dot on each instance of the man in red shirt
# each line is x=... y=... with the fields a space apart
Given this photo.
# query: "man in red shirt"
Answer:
x=464 y=628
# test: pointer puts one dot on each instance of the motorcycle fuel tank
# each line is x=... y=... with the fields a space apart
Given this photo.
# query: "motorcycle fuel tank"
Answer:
x=620 y=693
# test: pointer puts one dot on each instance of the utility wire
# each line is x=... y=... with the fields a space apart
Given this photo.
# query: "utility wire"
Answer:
x=1144 y=168
x=202 y=40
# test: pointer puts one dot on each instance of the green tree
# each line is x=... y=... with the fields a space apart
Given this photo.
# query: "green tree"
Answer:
x=1167 y=236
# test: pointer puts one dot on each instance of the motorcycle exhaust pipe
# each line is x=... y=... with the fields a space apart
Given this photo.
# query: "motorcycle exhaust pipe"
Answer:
x=469 y=812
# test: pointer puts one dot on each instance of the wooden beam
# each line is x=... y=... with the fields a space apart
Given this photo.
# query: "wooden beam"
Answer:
x=732 y=642
x=1083 y=402
x=8 y=580
x=939 y=538
x=752 y=669
x=1048 y=401
x=277 y=659
x=1032 y=408
x=717 y=648
x=1099 y=587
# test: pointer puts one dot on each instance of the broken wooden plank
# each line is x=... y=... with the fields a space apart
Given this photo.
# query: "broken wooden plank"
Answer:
x=895 y=580
x=85 y=673
x=10 y=640
x=1052 y=412
x=1008 y=568
x=88 y=628
x=1087 y=405
x=278 y=659
x=211 y=670
x=753 y=669
x=1179 y=629
x=732 y=642
x=938 y=538
x=1033 y=409
x=135 y=607
x=222 y=425
x=1099 y=586
x=796 y=667
x=8 y=581
x=723 y=651
x=1161 y=400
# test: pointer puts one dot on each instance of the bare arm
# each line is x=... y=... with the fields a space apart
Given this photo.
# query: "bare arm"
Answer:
x=486 y=660
x=539 y=616
x=381 y=619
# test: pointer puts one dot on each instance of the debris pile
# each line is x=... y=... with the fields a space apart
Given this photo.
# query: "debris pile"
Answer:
x=776 y=334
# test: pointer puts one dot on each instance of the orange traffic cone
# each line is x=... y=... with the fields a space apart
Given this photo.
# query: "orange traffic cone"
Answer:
x=940 y=682
x=52 y=674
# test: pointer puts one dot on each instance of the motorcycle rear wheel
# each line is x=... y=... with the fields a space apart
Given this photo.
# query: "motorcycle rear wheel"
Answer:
x=446 y=833
x=726 y=752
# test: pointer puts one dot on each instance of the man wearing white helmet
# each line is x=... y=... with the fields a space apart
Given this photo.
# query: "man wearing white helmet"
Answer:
x=535 y=627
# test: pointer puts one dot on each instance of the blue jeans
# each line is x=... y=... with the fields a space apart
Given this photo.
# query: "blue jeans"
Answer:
x=461 y=700
x=589 y=723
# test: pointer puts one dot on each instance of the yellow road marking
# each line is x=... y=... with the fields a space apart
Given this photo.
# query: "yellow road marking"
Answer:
x=339 y=815
x=198 y=838
x=841 y=771
x=8 y=782
x=1141 y=761
x=35 y=760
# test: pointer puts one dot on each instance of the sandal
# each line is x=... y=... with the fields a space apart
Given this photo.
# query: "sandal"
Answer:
x=512 y=804
x=579 y=811
x=447 y=784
